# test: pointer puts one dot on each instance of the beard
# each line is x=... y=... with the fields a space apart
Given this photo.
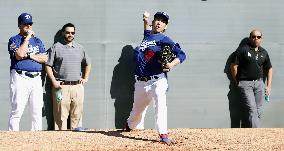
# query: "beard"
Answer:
x=254 y=45
x=24 y=32
x=69 y=39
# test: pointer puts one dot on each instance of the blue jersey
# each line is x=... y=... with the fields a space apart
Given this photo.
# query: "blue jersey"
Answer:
x=146 y=55
x=35 y=46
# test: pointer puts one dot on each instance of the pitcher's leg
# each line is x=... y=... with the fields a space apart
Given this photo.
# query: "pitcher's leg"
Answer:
x=140 y=125
x=160 y=105
x=140 y=104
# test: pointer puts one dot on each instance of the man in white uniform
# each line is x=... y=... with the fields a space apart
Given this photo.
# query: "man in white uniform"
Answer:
x=151 y=75
x=27 y=53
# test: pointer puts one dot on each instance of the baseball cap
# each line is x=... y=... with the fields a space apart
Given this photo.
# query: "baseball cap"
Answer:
x=25 y=18
x=164 y=15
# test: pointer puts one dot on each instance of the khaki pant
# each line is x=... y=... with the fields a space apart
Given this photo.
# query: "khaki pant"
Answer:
x=71 y=103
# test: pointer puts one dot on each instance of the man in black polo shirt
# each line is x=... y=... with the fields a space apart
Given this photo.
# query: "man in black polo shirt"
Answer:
x=250 y=66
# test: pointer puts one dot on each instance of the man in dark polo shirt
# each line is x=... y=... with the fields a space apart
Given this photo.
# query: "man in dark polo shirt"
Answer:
x=249 y=67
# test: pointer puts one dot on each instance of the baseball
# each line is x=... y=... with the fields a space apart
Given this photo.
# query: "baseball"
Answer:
x=146 y=14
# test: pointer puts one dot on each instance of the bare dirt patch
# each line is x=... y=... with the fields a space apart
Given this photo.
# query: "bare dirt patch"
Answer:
x=183 y=139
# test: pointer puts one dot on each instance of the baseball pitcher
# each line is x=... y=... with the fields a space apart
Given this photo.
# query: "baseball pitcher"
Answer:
x=151 y=73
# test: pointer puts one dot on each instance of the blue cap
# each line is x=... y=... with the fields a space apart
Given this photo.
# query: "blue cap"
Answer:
x=25 y=18
x=164 y=15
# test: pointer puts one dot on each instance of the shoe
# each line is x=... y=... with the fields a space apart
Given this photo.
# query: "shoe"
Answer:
x=80 y=129
x=165 y=139
x=127 y=128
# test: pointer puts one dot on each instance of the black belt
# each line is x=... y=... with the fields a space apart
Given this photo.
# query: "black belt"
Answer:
x=28 y=74
x=247 y=79
x=70 y=82
x=146 y=78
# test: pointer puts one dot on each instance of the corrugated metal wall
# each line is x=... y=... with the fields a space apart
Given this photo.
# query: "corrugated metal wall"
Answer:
x=207 y=30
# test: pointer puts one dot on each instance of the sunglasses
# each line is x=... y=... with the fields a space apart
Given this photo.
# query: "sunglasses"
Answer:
x=256 y=37
x=68 y=32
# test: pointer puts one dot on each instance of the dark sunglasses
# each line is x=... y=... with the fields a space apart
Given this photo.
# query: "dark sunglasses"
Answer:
x=28 y=24
x=67 y=32
x=258 y=37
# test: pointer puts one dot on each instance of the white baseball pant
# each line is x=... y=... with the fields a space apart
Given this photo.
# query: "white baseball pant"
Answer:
x=23 y=90
x=146 y=92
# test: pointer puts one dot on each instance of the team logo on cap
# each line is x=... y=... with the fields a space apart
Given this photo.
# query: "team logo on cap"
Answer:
x=28 y=16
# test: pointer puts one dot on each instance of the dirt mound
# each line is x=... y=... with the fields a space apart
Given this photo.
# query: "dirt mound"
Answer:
x=183 y=139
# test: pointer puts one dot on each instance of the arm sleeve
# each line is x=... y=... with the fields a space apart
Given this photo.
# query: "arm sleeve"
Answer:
x=13 y=46
x=51 y=55
x=267 y=63
x=147 y=33
x=237 y=56
x=138 y=56
x=41 y=46
x=86 y=59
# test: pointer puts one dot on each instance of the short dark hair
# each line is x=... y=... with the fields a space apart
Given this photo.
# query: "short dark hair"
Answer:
x=67 y=25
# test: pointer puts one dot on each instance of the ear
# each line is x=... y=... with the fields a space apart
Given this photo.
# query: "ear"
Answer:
x=165 y=28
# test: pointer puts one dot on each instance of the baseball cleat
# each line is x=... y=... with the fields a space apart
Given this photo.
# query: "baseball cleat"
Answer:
x=80 y=129
x=164 y=139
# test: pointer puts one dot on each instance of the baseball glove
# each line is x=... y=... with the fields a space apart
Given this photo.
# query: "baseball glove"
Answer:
x=166 y=55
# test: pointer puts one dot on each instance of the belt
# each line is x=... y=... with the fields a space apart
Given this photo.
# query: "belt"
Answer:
x=147 y=78
x=28 y=74
x=70 y=82
x=247 y=79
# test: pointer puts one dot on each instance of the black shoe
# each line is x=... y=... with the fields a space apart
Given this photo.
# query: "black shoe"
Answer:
x=127 y=128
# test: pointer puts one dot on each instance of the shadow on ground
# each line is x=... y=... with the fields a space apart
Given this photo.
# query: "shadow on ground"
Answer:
x=118 y=133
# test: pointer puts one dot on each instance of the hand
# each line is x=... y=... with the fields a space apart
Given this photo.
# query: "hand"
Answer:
x=30 y=34
x=146 y=18
x=168 y=67
x=83 y=81
x=56 y=84
x=236 y=83
x=166 y=70
x=146 y=15
x=268 y=90
x=27 y=56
